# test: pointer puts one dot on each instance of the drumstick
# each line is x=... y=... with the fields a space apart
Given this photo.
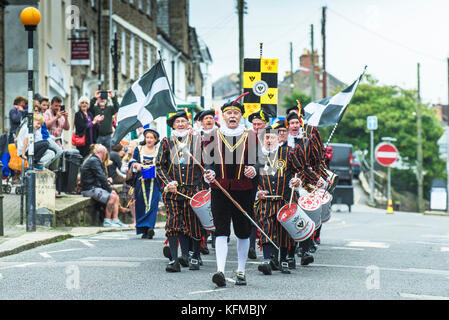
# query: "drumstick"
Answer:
x=233 y=201
x=293 y=191
x=181 y=194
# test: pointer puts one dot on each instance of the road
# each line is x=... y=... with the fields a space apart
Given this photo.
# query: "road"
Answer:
x=365 y=254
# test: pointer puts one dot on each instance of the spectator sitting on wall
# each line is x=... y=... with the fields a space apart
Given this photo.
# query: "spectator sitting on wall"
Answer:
x=99 y=106
x=95 y=184
x=56 y=120
x=42 y=154
x=16 y=114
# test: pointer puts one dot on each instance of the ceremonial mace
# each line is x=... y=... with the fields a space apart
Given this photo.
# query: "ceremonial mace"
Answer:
x=182 y=146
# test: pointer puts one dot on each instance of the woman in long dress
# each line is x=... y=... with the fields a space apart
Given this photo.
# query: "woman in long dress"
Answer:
x=147 y=188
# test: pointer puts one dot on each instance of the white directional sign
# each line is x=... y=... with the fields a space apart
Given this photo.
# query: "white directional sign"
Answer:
x=372 y=122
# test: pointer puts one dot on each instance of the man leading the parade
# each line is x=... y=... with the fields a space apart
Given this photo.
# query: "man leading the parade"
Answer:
x=231 y=168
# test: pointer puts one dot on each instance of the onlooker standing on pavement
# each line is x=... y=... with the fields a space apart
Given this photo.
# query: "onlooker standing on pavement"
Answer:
x=99 y=106
x=16 y=114
x=95 y=184
x=86 y=124
x=56 y=120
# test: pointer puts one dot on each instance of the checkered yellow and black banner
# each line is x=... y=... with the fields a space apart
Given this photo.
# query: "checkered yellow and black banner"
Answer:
x=260 y=79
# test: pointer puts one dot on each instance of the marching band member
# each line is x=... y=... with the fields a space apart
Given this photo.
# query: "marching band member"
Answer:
x=275 y=178
x=232 y=169
x=300 y=148
x=180 y=178
x=259 y=121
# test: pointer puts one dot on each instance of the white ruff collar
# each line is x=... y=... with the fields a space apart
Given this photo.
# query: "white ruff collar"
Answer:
x=232 y=132
x=207 y=131
x=181 y=134
x=266 y=152
x=291 y=138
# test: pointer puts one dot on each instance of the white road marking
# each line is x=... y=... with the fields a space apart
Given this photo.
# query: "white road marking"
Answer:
x=343 y=248
x=445 y=249
x=1 y=276
x=22 y=265
x=422 y=296
x=434 y=236
x=48 y=256
x=207 y=291
x=368 y=244
x=444 y=273
x=85 y=242
x=111 y=237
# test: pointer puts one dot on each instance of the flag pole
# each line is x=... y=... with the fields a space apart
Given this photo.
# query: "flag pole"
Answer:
x=166 y=77
x=336 y=125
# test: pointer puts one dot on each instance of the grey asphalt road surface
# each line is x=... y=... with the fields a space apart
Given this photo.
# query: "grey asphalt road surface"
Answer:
x=365 y=254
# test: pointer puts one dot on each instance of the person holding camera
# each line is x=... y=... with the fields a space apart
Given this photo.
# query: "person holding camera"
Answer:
x=86 y=125
x=56 y=120
x=99 y=106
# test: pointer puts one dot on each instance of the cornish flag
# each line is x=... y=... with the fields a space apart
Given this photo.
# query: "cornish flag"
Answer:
x=329 y=111
x=148 y=98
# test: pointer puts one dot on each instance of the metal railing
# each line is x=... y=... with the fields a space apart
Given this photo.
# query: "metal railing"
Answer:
x=380 y=181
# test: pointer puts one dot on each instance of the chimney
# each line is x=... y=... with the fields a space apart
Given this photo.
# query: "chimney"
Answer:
x=305 y=61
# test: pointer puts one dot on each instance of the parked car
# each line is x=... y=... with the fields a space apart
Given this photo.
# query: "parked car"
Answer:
x=342 y=165
x=355 y=166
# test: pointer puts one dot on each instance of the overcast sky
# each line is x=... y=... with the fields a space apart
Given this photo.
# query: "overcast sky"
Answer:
x=389 y=36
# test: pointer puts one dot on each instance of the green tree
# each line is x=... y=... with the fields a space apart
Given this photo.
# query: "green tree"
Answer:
x=395 y=109
x=290 y=101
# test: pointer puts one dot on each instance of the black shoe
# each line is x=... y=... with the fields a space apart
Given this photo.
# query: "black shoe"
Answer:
x=252 y=254
x=150 y=233
x=145 y=234
x=167 y=253
x=194 y=264
x=284 y=267
x=200 y=260
x=306 y=259
x=291 y=263
x=184 y=261
x=173 y=266
x=265 y=268
x=274 y=263
x=317 y=241
x=312 y=248
x=219 y=279
x=241 y=279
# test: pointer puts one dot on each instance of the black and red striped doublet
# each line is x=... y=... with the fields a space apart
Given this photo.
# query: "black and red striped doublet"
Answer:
x=175 y=164
x=274 y=176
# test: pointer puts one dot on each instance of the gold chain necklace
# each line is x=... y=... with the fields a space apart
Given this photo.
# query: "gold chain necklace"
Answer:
x=232 y=148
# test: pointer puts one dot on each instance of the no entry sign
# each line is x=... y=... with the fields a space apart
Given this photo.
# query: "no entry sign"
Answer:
x=386 y=154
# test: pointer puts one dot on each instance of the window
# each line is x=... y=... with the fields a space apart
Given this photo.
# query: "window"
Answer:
x=123 y=53
x=140 y=57
x=92 y=51
x=132 y=58
x=149 y=7
x=139 y=5
x=149 y=58
x=92 y=3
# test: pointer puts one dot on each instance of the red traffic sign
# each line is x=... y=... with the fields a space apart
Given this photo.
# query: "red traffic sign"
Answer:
x=386 y=154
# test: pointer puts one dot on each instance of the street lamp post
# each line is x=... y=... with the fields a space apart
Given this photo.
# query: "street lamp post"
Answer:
x=30 y=18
